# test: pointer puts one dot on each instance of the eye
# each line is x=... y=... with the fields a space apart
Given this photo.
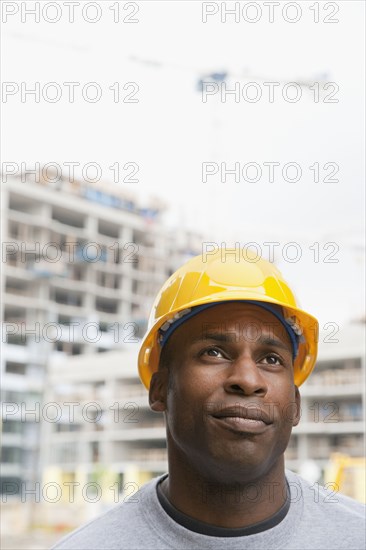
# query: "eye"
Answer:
x=212 y=352
x=272 y=359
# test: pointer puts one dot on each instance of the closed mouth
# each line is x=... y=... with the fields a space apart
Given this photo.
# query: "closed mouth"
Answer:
x=249 y=414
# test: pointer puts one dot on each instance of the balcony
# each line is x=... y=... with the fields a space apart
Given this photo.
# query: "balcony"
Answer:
x=334 y=382
x=11 y=440
x=327 y=428
x=336 y=390
x=156 y=421
x=139 y=434
x=145 y=455
x=131 y=391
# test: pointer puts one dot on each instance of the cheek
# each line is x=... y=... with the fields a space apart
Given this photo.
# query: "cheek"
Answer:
x=287 y=408
x=288 y=414
x=189 y=391
x=280 y=400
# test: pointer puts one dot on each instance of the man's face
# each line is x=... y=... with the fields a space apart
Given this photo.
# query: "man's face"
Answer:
x=228 y=392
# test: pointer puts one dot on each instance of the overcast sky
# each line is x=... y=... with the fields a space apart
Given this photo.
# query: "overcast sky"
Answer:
x=170 y=131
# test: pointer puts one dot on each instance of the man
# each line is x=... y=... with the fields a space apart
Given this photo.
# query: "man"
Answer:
x=226 y=349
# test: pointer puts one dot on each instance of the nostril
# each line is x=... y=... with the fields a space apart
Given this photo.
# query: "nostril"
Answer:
x=247 y=390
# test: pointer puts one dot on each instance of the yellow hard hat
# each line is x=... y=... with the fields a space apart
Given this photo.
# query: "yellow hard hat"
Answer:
x=220 y=276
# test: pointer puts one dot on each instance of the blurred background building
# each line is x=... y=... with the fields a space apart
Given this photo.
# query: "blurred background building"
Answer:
x=328 y=445
x=81 y=265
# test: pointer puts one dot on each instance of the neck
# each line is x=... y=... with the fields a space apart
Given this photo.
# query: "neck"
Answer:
x=207 y=498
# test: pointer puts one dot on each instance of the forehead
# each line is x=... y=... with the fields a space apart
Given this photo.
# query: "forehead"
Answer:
x=232 y=317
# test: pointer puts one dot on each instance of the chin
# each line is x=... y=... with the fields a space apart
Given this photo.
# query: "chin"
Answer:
x=234 y=467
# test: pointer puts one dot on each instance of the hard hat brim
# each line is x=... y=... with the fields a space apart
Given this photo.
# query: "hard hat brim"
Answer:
x=149 y=355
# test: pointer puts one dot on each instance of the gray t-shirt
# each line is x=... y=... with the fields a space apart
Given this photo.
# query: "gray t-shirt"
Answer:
x=317 y=519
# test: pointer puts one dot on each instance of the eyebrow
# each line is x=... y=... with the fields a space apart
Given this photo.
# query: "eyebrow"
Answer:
x=230 y=337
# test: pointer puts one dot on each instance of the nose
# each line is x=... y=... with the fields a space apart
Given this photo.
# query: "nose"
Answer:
x=245 y=377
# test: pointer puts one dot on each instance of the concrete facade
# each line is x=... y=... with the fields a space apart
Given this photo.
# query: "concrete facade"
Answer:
x=81 y=264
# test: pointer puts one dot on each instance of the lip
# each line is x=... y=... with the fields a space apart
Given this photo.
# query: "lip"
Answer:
x=243 y=419
x=242 y=425
x=239 y=411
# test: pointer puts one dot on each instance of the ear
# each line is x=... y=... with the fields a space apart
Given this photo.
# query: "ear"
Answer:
x=297 y=412
x=157 y=391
